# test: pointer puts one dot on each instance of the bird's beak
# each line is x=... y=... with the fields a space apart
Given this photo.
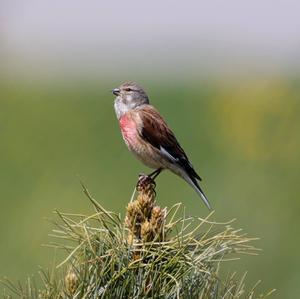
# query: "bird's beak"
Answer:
x=116 y=91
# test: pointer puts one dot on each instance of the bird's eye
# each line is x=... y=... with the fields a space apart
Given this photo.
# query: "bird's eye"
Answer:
x=128 y=89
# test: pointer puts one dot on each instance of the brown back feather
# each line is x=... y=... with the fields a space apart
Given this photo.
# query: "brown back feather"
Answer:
x=158 y=134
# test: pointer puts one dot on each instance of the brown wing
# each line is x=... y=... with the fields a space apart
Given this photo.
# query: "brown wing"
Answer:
x=155 y=130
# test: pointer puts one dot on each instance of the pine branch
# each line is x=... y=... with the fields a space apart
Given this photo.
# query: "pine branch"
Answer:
x=153 y=253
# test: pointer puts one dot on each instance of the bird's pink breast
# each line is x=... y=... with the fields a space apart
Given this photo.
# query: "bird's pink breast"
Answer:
x=128 y=129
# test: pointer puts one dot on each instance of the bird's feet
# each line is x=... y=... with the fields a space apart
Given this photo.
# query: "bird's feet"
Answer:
x=144 y=182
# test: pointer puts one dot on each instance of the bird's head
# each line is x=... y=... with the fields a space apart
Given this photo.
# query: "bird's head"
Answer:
x=129 y=96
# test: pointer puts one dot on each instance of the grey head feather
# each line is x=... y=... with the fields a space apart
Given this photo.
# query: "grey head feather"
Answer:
x=129 y=96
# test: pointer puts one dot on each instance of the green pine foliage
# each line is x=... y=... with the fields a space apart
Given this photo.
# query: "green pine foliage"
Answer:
x=153 y=253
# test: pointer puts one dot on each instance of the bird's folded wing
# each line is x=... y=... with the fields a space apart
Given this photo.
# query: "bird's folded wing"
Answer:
x=155 y=131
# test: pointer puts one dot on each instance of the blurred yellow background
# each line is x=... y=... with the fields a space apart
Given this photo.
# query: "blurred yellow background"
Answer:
x=226 y=81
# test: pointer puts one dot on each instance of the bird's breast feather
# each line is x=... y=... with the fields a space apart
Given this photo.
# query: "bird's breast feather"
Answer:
x=128 y=128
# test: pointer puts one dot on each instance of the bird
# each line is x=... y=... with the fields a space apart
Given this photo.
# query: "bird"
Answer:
x=149 y=138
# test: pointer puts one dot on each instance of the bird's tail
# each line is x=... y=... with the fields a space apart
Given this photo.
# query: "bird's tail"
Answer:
x=193 y=182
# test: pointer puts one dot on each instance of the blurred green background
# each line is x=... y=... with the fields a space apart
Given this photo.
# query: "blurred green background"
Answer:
x=238 y=122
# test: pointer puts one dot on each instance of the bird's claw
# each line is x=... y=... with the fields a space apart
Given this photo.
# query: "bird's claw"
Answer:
x=145 y=180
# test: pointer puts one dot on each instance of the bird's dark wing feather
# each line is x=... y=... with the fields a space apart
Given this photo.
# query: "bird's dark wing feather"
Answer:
x=157 y=133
